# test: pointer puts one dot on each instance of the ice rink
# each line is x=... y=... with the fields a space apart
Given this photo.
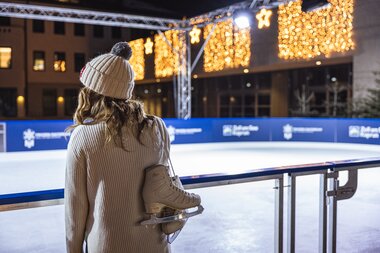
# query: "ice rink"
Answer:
x=237 y=218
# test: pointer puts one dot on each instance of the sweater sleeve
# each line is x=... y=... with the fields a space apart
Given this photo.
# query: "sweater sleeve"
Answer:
x=76 y=201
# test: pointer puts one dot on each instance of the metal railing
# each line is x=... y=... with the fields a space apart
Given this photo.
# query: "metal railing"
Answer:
x=330 y=193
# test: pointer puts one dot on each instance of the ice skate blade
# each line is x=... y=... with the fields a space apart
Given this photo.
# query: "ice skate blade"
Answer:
x=170 y=238
x=181 y=216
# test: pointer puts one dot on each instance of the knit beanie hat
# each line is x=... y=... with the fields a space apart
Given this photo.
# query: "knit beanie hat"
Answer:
x=111 y=74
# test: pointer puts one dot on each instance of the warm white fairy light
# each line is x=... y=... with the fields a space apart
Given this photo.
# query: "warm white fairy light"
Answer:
x=263 y=18
x=228 y=47
x=194 y=35
x=148 y=46
x=166 y=61
x=138 y=58
x=305 y=35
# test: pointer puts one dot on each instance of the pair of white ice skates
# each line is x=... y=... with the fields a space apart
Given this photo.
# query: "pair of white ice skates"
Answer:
x=166 y=201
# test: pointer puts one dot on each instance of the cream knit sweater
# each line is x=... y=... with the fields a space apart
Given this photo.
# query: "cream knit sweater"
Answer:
x=103 y=203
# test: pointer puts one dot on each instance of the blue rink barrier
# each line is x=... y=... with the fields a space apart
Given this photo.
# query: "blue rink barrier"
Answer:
x=50 y=134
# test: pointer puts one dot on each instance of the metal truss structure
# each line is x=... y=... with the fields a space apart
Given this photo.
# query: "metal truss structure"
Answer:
x=183 y=80
x=49 y=13
x=227 y=12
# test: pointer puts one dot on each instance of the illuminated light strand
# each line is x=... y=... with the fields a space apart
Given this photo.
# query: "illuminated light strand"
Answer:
x=138 y=58
x=148 y=46
x=194 y=35
x=166 y=61
x=307 y=35
x=228 y=47
x=263 y=18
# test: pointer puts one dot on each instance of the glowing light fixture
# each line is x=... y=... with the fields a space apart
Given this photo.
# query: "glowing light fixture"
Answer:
x=246 y=71
x=263 y=18
x=60 y=99
x=242 y=19
x=20 y=99
x=318 y=63
x=194 y=35
x=148 y=46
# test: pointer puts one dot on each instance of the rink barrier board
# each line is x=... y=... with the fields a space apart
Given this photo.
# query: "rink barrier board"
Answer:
x=29 y=135
x=196 y=181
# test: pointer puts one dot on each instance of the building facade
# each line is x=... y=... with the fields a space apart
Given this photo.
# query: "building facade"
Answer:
x=41 y=62
x=42 y=82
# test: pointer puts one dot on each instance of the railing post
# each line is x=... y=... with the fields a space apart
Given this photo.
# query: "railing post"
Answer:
x=332 y=211
x=336 y=193
x=291 y=235
x=279 y=215
x=323 y=213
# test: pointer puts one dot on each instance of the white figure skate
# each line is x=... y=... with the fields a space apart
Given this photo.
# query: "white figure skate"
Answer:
x=166 y=201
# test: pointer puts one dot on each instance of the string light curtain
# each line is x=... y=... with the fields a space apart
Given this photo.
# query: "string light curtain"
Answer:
x=305 y=35
x=138 y=58
x=166 y=62
x=228 y=47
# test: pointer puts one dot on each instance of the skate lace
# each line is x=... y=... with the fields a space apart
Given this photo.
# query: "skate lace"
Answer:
x=177 y=189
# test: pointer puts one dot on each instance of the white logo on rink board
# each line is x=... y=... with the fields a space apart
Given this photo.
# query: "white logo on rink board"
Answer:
x=181 y=131
x=289 y=130
x=239 y=130
x=366 y=132
x=30 y=136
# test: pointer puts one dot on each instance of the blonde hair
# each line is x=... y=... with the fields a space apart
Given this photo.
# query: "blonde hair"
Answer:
x=94 y=108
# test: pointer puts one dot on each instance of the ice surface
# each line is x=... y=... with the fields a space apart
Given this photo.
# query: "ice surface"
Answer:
x=237 y=218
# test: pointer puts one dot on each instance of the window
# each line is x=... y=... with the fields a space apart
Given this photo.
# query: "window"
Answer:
x=79 y=61
x=79 y=29
x=59 y=62
x=98 y=31
x=71 y=101
x=116 y=32
x=49 y=102
x=38 y=26
x=59 y=28
x=5 y=57
x=38 y=61
x=5 y=21
x=8 y=106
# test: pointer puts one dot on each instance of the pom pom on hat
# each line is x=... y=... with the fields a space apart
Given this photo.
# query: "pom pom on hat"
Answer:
x=111 y=74
x=122 y=49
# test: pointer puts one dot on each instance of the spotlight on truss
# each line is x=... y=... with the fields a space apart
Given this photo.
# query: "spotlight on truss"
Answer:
x=242 y=18
x=313 y=5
